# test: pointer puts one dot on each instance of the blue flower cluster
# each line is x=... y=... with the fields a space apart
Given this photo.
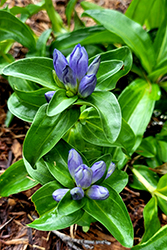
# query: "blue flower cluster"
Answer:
x=85 y=178
x=77 y=77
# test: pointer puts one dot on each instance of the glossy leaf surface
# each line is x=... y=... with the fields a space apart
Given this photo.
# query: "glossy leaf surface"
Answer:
x=12 y=28
x=131 y=33
x=29 y=69
x=113 y=214
x=15 y=179
x=43 y=199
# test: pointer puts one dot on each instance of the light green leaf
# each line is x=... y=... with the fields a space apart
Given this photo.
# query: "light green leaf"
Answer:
x=12 y=28
x=69 y=10
x=129 y=31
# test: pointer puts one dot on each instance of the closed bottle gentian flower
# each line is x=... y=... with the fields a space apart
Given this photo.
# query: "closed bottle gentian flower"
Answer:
x=110 y=169
x=97 y=192
x=77 y=77
x=59 y=194
x=98 y=169
x=49 y=95
x=74 y=161
x=77 y=193
x=83 y=176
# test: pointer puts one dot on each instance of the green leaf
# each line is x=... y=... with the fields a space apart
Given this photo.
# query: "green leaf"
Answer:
x=88 y=6
x=135 y=98
x=147 y=147
x=4 y=61
x=2 y=2
x=29 y=68
x=84 y=36
x=157 y=241
x=137 y=10
x=120 y=60
x=129 y=31
x=45 y=132
x=148 y=177
x=118 y=180
x=21 y=109
x=43 y=199
x=112 y=213
x=12 y=28
x=69 y=10
x=22 y=84
x=109 y=112
x=60 y=102
x=52 y=220
x=158 y=72
x=151 y=220
x=15 y=179
x=68 y=206
x=162 y=149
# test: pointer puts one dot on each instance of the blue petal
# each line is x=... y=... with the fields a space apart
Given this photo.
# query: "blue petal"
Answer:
x=59 y=62
x=98 y=169
x=49 y=95
x=69 y=79
x=83 y=176
x=77 y=193
x=59 y=194
x=110 y=169
x=79 y=61
x=96 y=192
x=87 y=85
x=74 y=161
x=94 y=66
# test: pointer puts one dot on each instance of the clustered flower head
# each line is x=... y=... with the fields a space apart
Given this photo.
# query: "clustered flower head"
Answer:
x=85 y=178
x=77 y=77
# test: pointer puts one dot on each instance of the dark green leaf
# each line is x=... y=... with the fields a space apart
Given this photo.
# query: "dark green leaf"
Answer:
x=69 y=10
x=12 y=28
x=45 y=132
x=43 y=199
x=15 y=179
x=162 y=150
x=52 y=220
x=147 y=147
x=68 y=206
x=22 y=84
x=129 y=31
x=29 y=69
x=4 y=61
x=112 y=213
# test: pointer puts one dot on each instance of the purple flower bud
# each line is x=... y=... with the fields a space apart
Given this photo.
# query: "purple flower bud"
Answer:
x=79 y=61
x=68 y=79
x=94 y=66
x=83 y=176
x=59 y=62
x=110 y=169
x=49 y=95
x=77 y=193
x=87 y=85
x=98 y=169
x=59 y=193
x=74 y=161
x=96 y=192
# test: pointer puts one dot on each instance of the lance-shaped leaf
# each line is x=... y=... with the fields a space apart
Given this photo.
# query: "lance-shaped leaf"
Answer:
x=60 y=102
x=52 y=220
x=29 y=68
x=131 y=33
x=159 y=240
x=151 y=220
x=21 y=109
x=15 y=179
x=45 y=132
x=43 y=199
x=12 y=28
x=109 y=112
x=112 y=213
x=135 y=98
